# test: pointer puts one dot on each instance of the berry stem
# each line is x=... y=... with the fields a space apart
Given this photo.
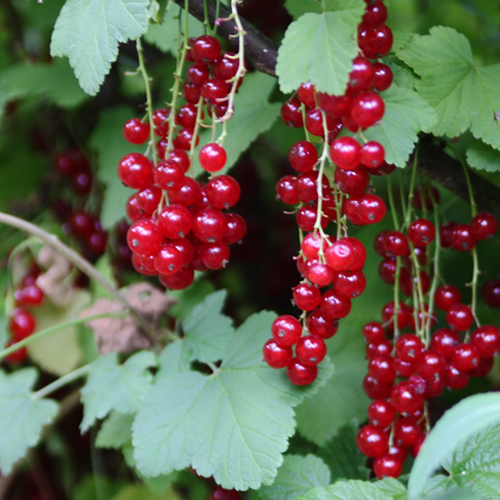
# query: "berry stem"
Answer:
x=303 y=111
x=149 y=100
x=61 y=382
x=84 y=266
x=52 y=329
x=392 y=204
x=199 y=120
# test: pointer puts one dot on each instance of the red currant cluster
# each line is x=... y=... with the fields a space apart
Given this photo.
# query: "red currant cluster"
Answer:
x=406 y=368
x=325 y=260
x=178 y=223
x=22 y=324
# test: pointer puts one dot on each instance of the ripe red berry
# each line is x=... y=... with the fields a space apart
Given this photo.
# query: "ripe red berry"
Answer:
x=373 y=332
x=286 y=330
x=431 y=365
x=372 y=441
x=382 y=367
x=407 y=431
x=212 y=157
x=225 y=66
x=378 y=348
x=446 y=296
x=205 y=49
x=454 y=378
x=345 y=152
x=486 y=339
x=22 y=324
x=178 y=281
x=375 y=14
x=406 y=400
x=299 y=374
x=144 y=237
x=82 y=224
x=421 y=232
x=463 y=238
x=367 y=108
x=375 y=389
x=148 y=199
x=349 y=284
x=186 y=115
x=318 y=273
x=387 y=466
x=395 y=244
x=136 y=131
x=409 y=347
x=168 y=260
x=310 y=350
x=306 y=94
x=346 y=254
x=214 y=255
x=483 y=368
x=465 y=357
x=303 y=156
x=491 y=292
x=18 y=356
x=446 y=233
x=291 y=113
x=404 y=368
x=236 y=228
x=459 y=317
x=319 y=325
x=169 y=175
x=352 y=181
x=372 y=154
x=29 y=295
x=375 y=42
x=381 y=413
x=444 y=341
x=311 y=245
x=222 y=494
x=175 y=221
x=209 y=225
x=306 y=297
x=223 y=192
x=285 y=190
x=160 y=120
x=276 y=356
x=361 y=75
x=135 y=171
x=188 y=195
x=484 y=226
x=403 y=315
x=364 y=208
x=383 y=77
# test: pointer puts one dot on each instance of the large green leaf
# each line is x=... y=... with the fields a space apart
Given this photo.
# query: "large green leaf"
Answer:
x=347 y=490
x=483 y=157
x=207 y=331
x=406 y=114
x=111 y=386
x=253 y=115
x=461 y=422
x=116 y=431
x=297 y=8
x=463 y=94
x=89 y=31
x=320 y=48
x=296 y=476
x=233 y=425
x=21 y=416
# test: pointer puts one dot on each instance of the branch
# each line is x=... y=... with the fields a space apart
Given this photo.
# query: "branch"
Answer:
x=433 y=161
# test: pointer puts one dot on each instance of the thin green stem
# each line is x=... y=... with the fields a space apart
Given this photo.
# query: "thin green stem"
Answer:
x=199 y=119
x=55 y=328
x=61 y=382
x=392 y=204
x=82 y=264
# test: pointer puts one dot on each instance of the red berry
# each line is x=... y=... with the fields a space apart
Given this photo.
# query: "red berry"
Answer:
x=483 y=368
x=363 y=209
x=431 y=365
x=215 y=255
x=275 y=355
x=209 y=225
x=345 y=152
x=160 y=120
x=178 y=281
x=306 y=94
x=306 y=297
x=319 y=325
x=186 y=116
x=205 y=49
x=491 y=293
x=303 y=156
x=29 y=295
x=212 y=157
x=82 y=224
x=349 y=284
x=168 y=260
x=459 y=317
x=375 y=389
x=18 y=356
x=361 y=75
x=306 y=218
x=444 y=341
x=175 y=221
x=446 y=296
x=346 y=254
x=236 y=228
x=311 y=245
x=381 y=413
x=484 y=226
x=334 y=306
x=367 y=108
x=373 y=332
x=136 y=131
x=299 y=374
x=421 y=232
x=135 y=171
x=285 y=190
x=405 y=400
x=318 y=273
x=383 y=77
x=197 y=74
x=465 y=357
x=306 y=188
x=486 y=339
x=409 y=347
x=336 y=106
x=463 y=238
x=352 y=181
x=188 y=195
x=169 y=175
x=372 y=441
x=382 y=367
x=407 y=432
x=148 y=199
x=225 y=67
x=378 y=348
x=375 y=15
x=223 y=192
x=372 y=154
x=184 y=138
x=222 y=494
x=286 y=330
x=375 y=42
x=191 y=91
x=395 y=244
x=446 y=233
x=291 y=113
x=454 y=378
x=310 y=350
x=403 y=315
x=22 y=324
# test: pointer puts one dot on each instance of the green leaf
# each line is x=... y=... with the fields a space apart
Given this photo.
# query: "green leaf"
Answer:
x=296 y=476
x=347 y=490
x=253 y=115
x=462 y=421
x=175 y=358
x=297 y=8
x=21 y=416
x=167 y=36
x=108 y=141
x=392 y=488
x=115 y=432
x=320 y=48
x=456 y=494
x=463 y=94
x=406 y=114
x=207 y=331
x=134 y=492
x=60 y=352
x=54 y=80
x=97 y=487
x=483 y=157
x=187 y=299
x=342 y=455
x=111 y=386
x=232 y=425
x=89 y=31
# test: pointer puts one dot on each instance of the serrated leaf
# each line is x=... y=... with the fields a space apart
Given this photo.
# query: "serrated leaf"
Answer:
x=342 y=455
x=461 y=422
x=463 y=94
x=108 y=141
x=347 y=490
x=483 y=157
x=60 y=352
x=232 y=425
x=392 y=488
x=111 y=386
x=89 y=31
x=115 y=432
x=297 y=8
x=207 y=331
x=167 y=36
x=296 y=476
x=253 y=115
x=21 y=416
x=320 y=48
x=406 y=114
x=187 y=299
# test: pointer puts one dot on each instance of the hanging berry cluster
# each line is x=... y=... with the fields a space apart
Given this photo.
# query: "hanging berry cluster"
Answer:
x=181 y=225
x=326 y=260
x=408 y=363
